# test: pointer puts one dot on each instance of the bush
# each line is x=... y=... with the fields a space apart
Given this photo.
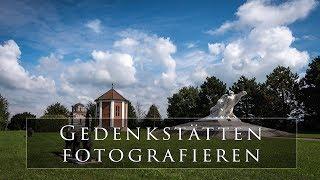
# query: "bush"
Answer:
x=18 y=121
x=2 y=125
x=47 y=123
x=4 y=113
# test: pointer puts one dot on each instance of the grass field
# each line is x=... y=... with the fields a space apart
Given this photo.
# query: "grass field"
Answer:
x=13 y=166
x=279 y=152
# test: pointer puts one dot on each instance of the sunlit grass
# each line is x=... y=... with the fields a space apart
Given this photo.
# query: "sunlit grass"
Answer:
x=13 y=166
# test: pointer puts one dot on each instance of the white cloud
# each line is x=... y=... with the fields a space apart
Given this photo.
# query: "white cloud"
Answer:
x=85 y=99
x=105 y=67
x=145 y=67
x=13 y=75
x=264 y=13
x=95 y=25
x=49 y=63
x=126 y=43
x=139 y=64
x=65 y=86
x=164 y=48
x=190 y=45
x=155 y=64
x=309 y=37
x=199 y=74
x=216 y=48
x=260 y=52
x=152 y=52
x=225 y=26
x=192 y=68
x=266 y=43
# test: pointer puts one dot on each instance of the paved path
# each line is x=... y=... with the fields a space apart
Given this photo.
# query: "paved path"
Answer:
x=305 y=139
x=308 y=139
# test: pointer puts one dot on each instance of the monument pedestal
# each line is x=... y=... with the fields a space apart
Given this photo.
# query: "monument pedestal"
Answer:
x=230 y=127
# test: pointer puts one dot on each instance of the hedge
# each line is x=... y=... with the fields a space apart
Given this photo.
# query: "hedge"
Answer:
x=47 y=124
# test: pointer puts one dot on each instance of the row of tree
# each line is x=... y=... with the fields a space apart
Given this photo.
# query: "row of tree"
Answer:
x=283 y=95
x=4 y=112
x=56 y=110
x=272 y=98
x=137 y=117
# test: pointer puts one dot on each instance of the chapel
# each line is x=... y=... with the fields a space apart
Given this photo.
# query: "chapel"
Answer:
x=112 y=110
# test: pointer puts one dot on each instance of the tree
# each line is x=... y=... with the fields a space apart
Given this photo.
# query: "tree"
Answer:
x=312 y=77
x=4 y=113
x=132 y=117
x=210 y=92
x=310 y=88
x=153 y=117
x=140 y=113
x=91 y=111
x=18 y=121
x=250 y=104
x=56 y=109
x=282 y=89
x=184 y=103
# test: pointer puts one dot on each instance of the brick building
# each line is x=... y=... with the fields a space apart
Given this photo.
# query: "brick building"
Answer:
x=112 y=110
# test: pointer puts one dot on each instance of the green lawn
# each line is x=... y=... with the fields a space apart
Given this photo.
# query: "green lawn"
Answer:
x=42 y=148
x=13 y=166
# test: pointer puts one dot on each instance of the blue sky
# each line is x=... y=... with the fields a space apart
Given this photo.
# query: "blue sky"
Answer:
x=182 y=21
x=70 y=51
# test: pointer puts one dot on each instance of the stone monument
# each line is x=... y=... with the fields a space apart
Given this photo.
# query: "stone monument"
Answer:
x=223 y=110
x=221 y=115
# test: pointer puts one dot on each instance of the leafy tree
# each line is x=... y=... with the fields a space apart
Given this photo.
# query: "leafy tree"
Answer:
x=184 y=103
x=55 y=116
x=210 y=92
x=132 y=117
x=4 y=113
x=18 y=121
x=312 y=77
x=311 y=94
x=56 y=109
x=140 y=113
x=91 y=111
x=153 y=117
x=282 y=88
x=250 y=104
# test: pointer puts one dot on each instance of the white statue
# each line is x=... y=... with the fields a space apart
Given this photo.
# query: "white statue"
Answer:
x=223 y=110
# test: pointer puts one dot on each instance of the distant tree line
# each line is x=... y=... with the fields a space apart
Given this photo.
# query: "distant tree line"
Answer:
x=283 y=95
x=138 y=118
x=61 y=113
x=4 y=112
x=55 y=111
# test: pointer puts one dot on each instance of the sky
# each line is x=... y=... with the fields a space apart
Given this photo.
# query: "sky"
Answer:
x=72 y=51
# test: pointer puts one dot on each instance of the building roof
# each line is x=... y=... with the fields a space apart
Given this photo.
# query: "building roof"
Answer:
x=78 y=104
x=111 y=95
